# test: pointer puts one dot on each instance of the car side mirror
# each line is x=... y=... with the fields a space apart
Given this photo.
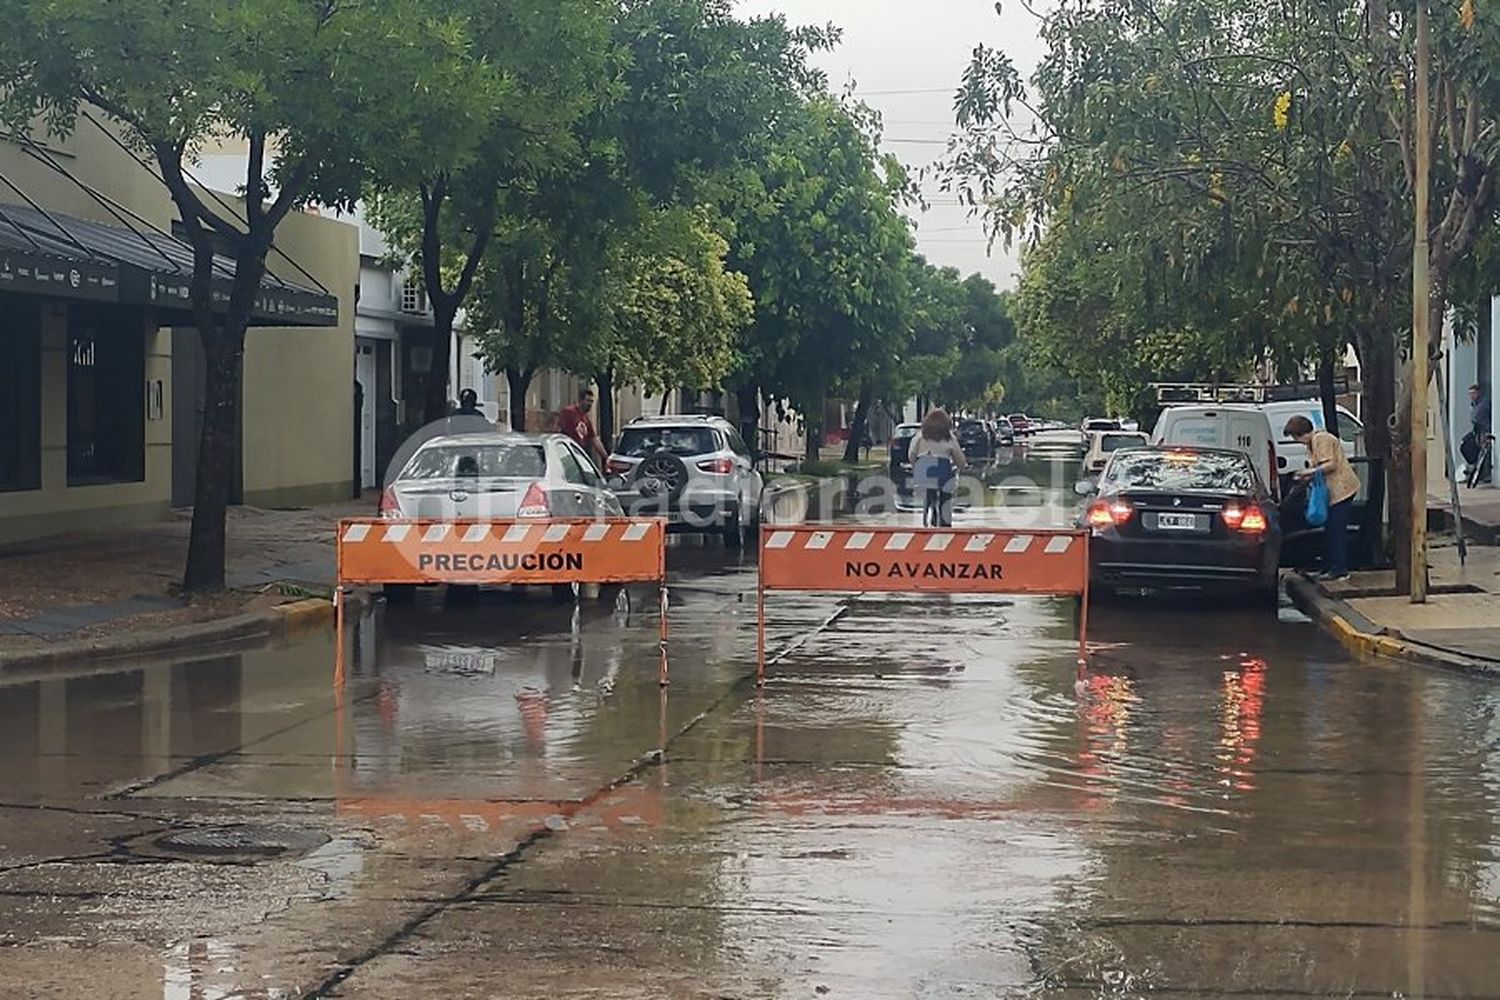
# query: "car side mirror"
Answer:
x=1086 y=487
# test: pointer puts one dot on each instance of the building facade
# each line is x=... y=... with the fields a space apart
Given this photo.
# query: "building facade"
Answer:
x=100 y=369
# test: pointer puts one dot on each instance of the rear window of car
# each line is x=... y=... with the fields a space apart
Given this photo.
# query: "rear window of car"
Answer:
x=490 y=461
x=1110 y=442
x=907 y=431
x=970 y=425
x=1179 y=470
x=638 y=442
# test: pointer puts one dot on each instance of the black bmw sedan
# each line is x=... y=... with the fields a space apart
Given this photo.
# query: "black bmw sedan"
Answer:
x=1191 y=518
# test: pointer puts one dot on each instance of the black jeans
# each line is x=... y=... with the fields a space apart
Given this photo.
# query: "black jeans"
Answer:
x=938 y=510
x=1336 y=538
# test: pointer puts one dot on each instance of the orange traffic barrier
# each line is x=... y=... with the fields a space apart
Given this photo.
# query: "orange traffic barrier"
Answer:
x=378 y=551
x=868 y=559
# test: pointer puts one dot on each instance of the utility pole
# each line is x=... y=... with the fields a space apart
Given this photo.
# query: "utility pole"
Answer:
x=1421 y=296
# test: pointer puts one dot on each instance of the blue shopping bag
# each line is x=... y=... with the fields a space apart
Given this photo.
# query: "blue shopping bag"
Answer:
x=1317 y=501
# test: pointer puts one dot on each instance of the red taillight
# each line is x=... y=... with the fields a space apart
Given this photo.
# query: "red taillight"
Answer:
x=717 y=466
x=1251 y=520
x=534 y=503
x=617 y=466
x=390 y=504
x=1110 y=513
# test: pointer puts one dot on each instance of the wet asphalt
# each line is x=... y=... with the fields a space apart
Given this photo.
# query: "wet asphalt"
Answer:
x=497 y=800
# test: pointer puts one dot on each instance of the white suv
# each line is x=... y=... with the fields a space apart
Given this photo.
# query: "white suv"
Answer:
x=695 y=471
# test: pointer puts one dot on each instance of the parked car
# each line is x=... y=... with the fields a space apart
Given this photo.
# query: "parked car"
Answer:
x=900 y=445
x=1237 y=427
x=1197 y=518
x=695 y=471
x=1019 y=422
x=498 y=475
x=1103 y=444
x=974 y=438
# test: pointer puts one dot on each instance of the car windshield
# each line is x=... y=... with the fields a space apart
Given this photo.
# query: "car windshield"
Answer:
x=489 y=461
x=1179 y=470
x=1110 y=442
x=638 y=442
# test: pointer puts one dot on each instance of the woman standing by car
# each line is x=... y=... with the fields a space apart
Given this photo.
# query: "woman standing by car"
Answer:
x=1326 y=454
x=936 y=459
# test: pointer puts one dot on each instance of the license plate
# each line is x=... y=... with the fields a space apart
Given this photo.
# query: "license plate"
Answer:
x=1177 y=522
x=462 y=664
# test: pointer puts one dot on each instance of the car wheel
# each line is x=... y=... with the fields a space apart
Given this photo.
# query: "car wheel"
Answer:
x=1268 y=595
x=400 y=593
x=667 y=469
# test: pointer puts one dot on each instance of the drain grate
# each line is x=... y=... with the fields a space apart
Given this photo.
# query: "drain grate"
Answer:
x=241 y=841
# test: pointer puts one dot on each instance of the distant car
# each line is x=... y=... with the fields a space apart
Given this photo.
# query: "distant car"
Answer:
x=1103 y=444
x=498 y=475
x=1063 y=444
x=1101 y=424
x=1195 y=518
x=1019 y=422
x=1005 y=434
x=899 y=448
x=695 y=471
x=974 y=438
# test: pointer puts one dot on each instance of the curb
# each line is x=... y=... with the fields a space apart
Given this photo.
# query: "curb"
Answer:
x=1367 y=640
x=284 y=619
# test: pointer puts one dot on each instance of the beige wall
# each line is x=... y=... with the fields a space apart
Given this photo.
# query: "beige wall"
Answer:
x=299 y=383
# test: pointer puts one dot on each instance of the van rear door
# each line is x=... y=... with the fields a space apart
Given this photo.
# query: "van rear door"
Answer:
x=1194 y=428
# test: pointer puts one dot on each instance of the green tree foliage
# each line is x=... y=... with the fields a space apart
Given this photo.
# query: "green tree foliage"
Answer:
x=314 y=92
x=1235 y=177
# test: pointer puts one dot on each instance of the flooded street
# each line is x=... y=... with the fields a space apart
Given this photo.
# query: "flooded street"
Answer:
x=925 y=801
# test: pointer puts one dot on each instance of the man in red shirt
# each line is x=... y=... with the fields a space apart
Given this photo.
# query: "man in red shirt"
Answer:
x=574 y=422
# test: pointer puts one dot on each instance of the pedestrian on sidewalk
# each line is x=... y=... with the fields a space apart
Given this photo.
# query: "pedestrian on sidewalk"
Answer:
x=1476 y=444
x=936 y=459
x=575 y=423
x=1326 y=452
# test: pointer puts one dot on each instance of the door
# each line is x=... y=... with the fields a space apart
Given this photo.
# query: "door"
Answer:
x=364 y=374
x=580 y=495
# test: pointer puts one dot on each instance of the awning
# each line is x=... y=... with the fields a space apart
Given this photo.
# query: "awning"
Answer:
x=71 y=258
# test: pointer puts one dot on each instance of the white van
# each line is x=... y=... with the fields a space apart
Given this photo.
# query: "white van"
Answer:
x=1292 y=456
x=1233 y=426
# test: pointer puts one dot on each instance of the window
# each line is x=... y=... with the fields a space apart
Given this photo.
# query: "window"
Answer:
x=106 y=395
x=737 y=444
x=686 y=442
x=20 y=394
x=413 y=297
x=578 y=468
x=1180 y=470
x=500 y=461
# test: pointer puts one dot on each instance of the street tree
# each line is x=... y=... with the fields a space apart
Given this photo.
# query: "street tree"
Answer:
x=312 y=91
x=438 y=197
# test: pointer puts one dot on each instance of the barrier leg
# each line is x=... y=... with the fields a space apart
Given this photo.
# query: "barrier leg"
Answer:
x=338 y=641
x=760 y=636
x=662 y=677
x=1083 y=632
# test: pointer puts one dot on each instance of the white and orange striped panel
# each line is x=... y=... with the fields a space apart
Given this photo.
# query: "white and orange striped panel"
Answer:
x=617 y=550
x=944 y=560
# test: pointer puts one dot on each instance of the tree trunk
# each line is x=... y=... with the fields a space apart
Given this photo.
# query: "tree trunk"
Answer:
x=748 y=400
x=435 y=402
x=1326 y=391
x=605 y=378
x=520 y=383
x=861 y=425
x=666 y=398
x=223 y=351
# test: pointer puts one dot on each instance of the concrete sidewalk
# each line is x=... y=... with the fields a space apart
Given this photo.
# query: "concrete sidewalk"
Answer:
x=1481 y=514
x=1459 y=626
x=102 y=588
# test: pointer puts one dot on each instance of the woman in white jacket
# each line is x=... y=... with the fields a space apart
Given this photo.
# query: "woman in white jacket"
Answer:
x=938 y=474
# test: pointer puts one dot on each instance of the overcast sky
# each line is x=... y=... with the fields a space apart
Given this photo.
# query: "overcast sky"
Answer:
x=906 y=58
